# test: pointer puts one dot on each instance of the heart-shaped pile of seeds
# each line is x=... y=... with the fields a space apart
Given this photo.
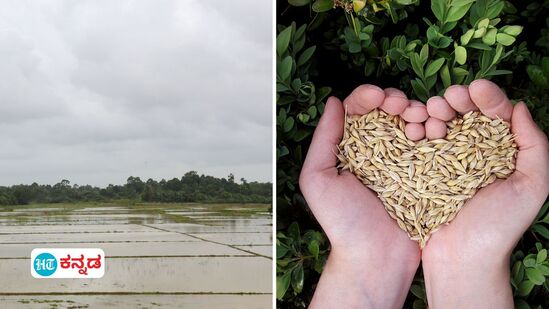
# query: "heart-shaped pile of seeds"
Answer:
x=424 y=184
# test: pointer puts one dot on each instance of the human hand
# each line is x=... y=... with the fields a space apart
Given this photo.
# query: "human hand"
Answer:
x=466 y=263
x=372 y=262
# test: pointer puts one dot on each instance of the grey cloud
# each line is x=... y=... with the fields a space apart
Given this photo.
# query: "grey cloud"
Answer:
x=100 y=90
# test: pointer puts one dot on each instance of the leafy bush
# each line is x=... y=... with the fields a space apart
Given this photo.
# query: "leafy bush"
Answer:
x=328 y=47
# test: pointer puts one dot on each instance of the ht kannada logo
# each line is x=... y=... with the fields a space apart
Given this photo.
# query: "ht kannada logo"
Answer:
x=84 y=263
x=45 y=264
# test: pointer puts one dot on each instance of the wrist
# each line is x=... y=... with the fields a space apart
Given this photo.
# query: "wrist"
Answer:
x=462 y=281
x=367 y=280
x=371 y=262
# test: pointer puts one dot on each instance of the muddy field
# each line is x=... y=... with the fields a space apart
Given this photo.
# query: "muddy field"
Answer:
x=158 y=255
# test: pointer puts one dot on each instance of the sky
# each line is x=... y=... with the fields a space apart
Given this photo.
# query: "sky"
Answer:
x=96 y=91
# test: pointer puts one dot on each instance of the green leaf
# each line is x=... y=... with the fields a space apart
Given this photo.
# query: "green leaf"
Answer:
x=288 y=124
x=299 y=2
x=448 y=26
x=424 y=54
x=434 y=66
x=479 y=33
x=369 y=67
x=301 y=135
x=498 y=72
x=461 y=54
x=497 y=56
x=280 y=249
x=285 y=68
x=540 y=230
x=494 y=10
x=306 y=55
x=445 y=76
x=525 y=287
x=303 y=118
x=521 y=304
x=461 y=2
x=545 y=207
x=297 y=279
x=419 y=304
x=512 y=30
x=321 y=95
x=283 y=262
x=444 y=42
x=529 y=262
x=536 y=75
x=431 y=81
x=364 y=36
x=542 y=256
x=456 y=13
x=283 y=40
x=518 y=272
x=358 y=5
x=545 y=69
x=459 y=72
x=483 y=23
x=505 y=39
x=467 y=36
x=416 y=64
x=439 y=8
x=312 y=111
x=490 y=37
x=282 y=151
x=535 y=276
x=544 y=269
x=354 y=48
x=478 y=45
x=294 y=233
x=299 y=39
x=418 y=291
x=420 y=90
x=282 y=284
x=314 y=248
x=320 y=6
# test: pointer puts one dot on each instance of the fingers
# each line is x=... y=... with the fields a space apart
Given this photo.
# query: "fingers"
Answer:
x=533 y=155
x=328 y=133
x=415 y=114
x=481 y=94
x=458 y=98
x=435 y=128
x=364 y=99
x=395 y=102
x=414 y=131
x=490 y=99
x=438 y=107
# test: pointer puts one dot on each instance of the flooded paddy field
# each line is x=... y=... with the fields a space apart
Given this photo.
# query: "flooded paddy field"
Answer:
x=157 y=255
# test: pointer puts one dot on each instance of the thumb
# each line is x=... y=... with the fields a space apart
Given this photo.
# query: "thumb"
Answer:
x=532 y=166
x=328 y=133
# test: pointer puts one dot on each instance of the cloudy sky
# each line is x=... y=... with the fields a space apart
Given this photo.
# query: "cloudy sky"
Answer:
x=96 y=91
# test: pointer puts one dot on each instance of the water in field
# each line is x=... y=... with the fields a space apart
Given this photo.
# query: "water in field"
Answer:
x=158 y=255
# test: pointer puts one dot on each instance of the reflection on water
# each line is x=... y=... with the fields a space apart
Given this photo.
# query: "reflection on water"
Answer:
x=167 y=255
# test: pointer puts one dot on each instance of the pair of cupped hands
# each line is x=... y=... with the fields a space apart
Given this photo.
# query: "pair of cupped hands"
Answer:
x=466 y=263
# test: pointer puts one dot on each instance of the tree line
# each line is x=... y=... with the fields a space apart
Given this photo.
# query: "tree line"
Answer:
x=192 y=187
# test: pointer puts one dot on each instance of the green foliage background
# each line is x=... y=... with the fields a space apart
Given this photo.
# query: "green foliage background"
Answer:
x=328 y=47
